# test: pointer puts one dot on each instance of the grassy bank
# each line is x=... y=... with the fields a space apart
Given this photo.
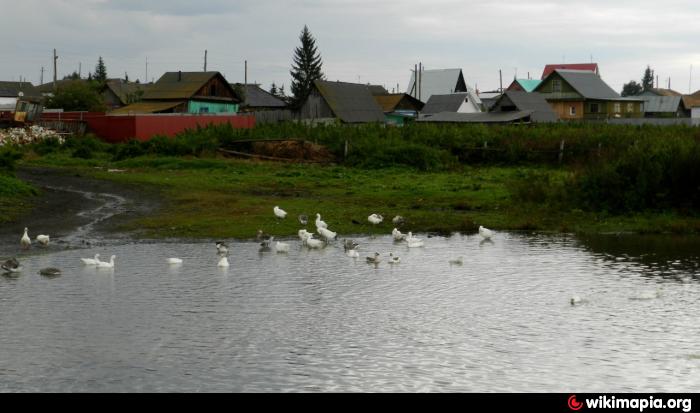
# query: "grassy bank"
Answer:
x=440 y=178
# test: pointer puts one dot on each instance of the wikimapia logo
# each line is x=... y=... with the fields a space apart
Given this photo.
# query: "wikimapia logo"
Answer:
x=574 y=404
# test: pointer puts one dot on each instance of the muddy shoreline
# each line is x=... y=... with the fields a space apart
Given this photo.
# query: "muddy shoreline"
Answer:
x=75 y=211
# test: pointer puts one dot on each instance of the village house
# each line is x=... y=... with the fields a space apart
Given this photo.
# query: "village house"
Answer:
x=187 y=92
x=117 y=93
x=348 y=103
x=256 y=98
x=524 y=85
x=582 y=95
x=591 y=67
x=664 y=106
x=11 y=92
x=514 y=101
x=437 y=82
x=399 y=108
x=456 y=102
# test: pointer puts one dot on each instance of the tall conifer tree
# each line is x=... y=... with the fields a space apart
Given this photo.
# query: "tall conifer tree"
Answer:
x=306 y=67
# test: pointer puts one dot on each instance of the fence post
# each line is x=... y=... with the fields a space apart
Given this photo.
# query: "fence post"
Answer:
x=561 y=151
x=599 y=145
x=345 y=153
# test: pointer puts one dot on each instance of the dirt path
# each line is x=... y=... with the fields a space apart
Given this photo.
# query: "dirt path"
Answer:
x=75 y=211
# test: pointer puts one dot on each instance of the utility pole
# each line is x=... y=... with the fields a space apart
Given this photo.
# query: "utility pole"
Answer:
x=245 y=78
x=205 y=60
x=146 y=69
x=41 y=82
x=80 y=69
x=55 y=58
x=420 y=80
x=500 y=82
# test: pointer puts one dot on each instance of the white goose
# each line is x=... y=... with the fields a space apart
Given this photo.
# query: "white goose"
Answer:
x=91 y=261
x=312 y=243
x=398 y=235
x=320 y=223
x=353 y=254
x=42 y=239
x=375 y=219
x=327 y=234
x=398 y=220
x=303 y=234
x=279 y=212
x=223 y=262
x=174 y=260
x=281 y=247
x=25 y=241
x=485 y=232
x=109 y=264
x=413 y=242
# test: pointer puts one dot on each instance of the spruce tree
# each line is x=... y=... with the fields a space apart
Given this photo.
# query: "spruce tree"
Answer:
x=100 y=71
x=273 y=89
x=306 y=67
x=648 y=79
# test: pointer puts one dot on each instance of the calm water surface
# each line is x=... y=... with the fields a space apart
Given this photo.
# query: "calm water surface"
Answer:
x=320 y=321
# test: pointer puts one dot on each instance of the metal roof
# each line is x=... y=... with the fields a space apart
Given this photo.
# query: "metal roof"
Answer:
x=535 y=102
x=377 y=90
x=590 y=67
x=12 y=89
x=257 y=97
x=181 y=85
x=388 y=102
x=437 y=82
x=660 y=92
x=350 y=102
x=125 y=90
x=587 y=84
x=485 y=117
x=529 y=84
x=445 y=103
x=662 y=103
x=146 y=107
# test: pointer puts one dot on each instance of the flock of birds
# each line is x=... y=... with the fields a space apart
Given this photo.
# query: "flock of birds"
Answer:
x=327 y=236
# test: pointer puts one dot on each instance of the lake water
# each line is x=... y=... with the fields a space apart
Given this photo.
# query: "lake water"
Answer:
x=320 y=321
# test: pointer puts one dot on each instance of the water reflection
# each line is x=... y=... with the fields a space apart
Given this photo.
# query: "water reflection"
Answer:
x=321 y=321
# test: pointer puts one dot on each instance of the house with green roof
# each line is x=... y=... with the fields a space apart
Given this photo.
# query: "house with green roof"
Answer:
x=524 y=85
x=187 y=92
x=583 y=95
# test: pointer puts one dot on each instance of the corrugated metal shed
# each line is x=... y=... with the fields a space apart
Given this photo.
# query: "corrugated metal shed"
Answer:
x=661 y=104
x=256 y=97
x=12 y=89
x=524 y=101
x=486 y=117
x=350 y=102
x=588 y=84
x=590 y=67
x=181 y=85
x=438 y=82
x=444 y=103
x=146 y=107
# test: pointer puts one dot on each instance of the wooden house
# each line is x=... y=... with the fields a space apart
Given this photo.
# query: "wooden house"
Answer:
x=340 y=101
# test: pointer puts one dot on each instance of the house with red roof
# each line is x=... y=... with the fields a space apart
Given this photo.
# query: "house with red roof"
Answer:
x=548 y=69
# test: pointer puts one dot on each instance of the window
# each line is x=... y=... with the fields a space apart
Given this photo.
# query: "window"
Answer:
x=594 y=108
x=212 y=90
x=572 y=110
x=556 y=85
x=617 y=108
x=204 y=109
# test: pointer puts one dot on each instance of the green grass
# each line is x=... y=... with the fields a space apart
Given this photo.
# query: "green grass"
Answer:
x=222 y=198
x=15 y=196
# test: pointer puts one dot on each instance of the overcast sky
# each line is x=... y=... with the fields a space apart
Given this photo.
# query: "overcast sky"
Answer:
x=376 y=41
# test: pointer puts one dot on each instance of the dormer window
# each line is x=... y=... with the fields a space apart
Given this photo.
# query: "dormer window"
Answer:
x=556 y=85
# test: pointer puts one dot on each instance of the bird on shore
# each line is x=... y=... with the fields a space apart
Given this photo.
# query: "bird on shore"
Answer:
x=485 y=232
x=393 y=259
x=174 y=261
x=221 y=248
x=303 y=219
x=281 y=247
x=457 y=261
x=303 y=234
x=262 y=236
x=327 y=234
x=11 y=265
x=223 y=262
x=375 y=219
x=398 y=235
x=374 y=260
x=25 y=242
x=279 y=212
x=398 y=220
x=319 y=222
x=91 y=261
x=50 y=272
x=110 y=264
x=43 y=240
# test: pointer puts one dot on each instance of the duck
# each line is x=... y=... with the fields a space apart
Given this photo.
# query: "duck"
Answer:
x=223 y=262
x=485 y=232
x=353 y=253
x=349 y=244
x=413 y=242
x=398 y=236
x=319 y=222
x=575 y=300
x=457 y=261
x=11 y=265
x=265 y=245
x=303 y=234
x=50 y=272
x=281 y=247
x=374 y=260
x=312 y=243
x=174 y=261
x=110 y=264
x=43 y=240
x=398 y=220
x=279 y=212
x=375 y=219
x=25 y=241
x=393 y=259
x=327 y=234
x=303 y=219
x=221 y=247
x=91 y=261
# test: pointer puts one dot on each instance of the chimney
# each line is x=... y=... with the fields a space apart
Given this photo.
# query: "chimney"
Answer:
x=179 y=75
